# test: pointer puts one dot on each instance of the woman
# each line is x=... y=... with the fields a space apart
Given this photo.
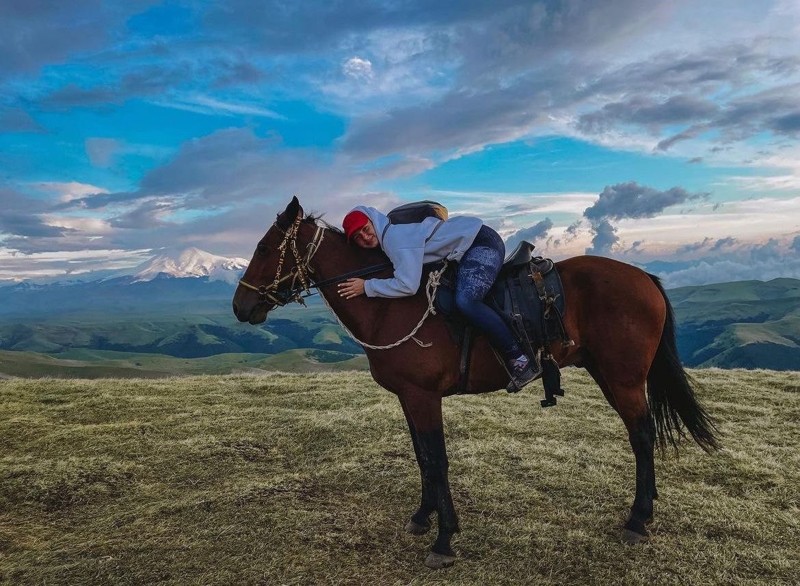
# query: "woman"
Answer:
x=477 y=248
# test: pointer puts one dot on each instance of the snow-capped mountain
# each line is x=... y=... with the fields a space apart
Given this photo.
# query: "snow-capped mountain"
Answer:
x=191 y=262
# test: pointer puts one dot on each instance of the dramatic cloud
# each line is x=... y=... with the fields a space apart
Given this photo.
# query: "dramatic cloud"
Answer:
x=628 y=200
x=631 y=200
x=532 y=234
x=605 y=238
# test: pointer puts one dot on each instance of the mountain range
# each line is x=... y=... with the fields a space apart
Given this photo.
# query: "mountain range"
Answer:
x=177 y=305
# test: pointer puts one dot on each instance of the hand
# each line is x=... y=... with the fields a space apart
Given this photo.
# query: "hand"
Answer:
x=351 y=288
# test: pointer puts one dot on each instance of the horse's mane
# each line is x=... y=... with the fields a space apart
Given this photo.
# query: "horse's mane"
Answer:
x=314 y=218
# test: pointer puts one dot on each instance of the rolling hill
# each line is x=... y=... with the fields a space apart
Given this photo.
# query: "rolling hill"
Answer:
x=747 y=324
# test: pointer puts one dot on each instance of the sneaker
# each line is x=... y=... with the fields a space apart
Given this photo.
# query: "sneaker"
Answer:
x=522 y=373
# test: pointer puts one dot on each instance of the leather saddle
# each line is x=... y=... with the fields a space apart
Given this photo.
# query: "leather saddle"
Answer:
x=529 y=296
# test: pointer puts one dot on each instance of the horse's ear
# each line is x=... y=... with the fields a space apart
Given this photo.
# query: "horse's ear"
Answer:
x=290 y=214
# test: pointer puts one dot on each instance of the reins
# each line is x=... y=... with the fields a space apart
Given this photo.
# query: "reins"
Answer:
x=302 y=271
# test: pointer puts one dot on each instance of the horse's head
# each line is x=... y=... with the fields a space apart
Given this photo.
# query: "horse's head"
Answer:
x=278 y=271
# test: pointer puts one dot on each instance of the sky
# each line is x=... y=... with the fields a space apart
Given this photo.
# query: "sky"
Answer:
x=661 y=133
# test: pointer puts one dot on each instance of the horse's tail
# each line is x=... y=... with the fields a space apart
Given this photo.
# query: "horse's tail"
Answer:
x=670 y=392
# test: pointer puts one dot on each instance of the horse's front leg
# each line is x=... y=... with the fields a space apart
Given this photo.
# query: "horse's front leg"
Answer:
x=424 y=415
x=420 y=522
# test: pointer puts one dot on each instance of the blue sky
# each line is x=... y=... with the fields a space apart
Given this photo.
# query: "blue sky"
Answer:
x=660 y=133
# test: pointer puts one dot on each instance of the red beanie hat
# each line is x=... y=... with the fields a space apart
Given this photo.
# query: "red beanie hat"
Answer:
x=353 y=222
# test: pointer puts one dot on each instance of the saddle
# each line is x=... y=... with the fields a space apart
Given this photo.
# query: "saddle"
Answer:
x=529 y=296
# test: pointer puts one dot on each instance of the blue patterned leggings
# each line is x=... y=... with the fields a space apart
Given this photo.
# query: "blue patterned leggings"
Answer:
x=477 y=270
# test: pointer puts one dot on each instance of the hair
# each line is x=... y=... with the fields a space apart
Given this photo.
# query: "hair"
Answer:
x=314 y=218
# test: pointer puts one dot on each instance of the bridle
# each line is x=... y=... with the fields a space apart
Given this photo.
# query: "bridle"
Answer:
x=302 y=270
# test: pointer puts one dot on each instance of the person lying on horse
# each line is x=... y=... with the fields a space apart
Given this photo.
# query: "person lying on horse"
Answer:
x=476 y=247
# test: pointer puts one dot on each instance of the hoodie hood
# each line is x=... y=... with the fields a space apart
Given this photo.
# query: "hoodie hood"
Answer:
x=379 y=220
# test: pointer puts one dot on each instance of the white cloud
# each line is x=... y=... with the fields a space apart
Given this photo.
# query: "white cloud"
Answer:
x=358 y=69
x=41 y=265
x=205 y=105
x=68 y=191
x=90 y=225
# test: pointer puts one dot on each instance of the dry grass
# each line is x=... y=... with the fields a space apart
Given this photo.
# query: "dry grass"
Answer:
x=292 y=479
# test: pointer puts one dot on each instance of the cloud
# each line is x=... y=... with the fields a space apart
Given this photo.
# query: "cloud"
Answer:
x=13 y=119
x=708 y=244
x=631 y=200
x=695 y=246
x=21 y=217
x=788 y=124
x=147 y=215
x=605 y=238
x=536 y=232
x=764 y=261
x=206 y=105
x=57 y=264
x=627 y=200
x=724 y=243
x=101 y=151
x=646 y=111
x=226 y=187
x=69 y=191
x=37 y=32
x=358 y=69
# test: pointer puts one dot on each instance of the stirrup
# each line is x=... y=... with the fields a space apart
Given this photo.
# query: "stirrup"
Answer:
x=527 y=376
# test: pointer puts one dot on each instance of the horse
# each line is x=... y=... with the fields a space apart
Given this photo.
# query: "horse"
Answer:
x=617 y=315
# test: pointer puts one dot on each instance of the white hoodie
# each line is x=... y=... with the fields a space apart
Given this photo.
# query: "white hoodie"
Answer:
x=409 y=246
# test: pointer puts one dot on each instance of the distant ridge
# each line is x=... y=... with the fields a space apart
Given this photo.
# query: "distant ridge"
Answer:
x=180 y=310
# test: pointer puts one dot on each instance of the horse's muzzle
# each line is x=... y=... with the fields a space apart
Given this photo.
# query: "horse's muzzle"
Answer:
x=254 y=315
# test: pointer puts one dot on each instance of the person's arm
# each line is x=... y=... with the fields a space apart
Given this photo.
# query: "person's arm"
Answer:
x=407 y=274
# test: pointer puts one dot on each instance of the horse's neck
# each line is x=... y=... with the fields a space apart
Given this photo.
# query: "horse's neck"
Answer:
x=334 y=258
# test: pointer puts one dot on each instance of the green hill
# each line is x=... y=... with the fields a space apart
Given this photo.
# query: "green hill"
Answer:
x=747 y=324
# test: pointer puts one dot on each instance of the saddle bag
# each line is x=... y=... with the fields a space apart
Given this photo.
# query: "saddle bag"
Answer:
x=415 y=212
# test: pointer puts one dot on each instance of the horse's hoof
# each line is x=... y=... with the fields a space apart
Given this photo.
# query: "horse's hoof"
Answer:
x=632 y=538
x=437 y=561
x=416 y=529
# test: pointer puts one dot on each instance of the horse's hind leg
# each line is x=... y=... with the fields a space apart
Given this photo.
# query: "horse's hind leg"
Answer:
x=631 y=404
x=641 y=434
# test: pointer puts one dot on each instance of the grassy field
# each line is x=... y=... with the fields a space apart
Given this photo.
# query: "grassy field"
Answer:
x=309 y=479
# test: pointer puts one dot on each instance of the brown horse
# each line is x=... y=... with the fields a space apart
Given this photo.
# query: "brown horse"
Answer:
x=617 y=315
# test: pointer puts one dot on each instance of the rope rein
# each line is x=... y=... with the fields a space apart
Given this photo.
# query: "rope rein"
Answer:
x=434 y=278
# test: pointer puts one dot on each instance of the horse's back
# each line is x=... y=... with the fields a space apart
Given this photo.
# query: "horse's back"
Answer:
x=613 y=309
